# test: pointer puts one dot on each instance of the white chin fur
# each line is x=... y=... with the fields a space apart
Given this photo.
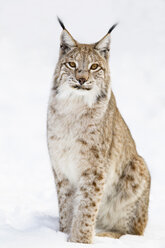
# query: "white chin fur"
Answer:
x=65 y=91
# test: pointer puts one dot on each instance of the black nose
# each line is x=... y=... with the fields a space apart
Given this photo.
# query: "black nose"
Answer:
x=82 y=80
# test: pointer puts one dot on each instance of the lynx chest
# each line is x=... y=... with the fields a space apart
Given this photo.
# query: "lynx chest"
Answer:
x=64 y=131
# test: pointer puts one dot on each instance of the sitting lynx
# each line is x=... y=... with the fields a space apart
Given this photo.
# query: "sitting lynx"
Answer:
x=101 y=180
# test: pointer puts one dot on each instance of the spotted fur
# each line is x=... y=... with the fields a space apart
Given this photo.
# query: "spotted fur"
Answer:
x=101 y=180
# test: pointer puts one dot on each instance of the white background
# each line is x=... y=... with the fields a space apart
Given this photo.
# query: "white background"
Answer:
x=29 y=43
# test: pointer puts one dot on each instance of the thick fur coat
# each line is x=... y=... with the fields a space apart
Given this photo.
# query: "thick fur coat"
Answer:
x=102 y=182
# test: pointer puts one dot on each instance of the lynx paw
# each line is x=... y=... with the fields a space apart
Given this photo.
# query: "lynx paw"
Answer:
x=109 y=234
x=83 y=239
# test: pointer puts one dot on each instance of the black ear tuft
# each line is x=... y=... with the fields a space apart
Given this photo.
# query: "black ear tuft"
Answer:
x=110 y=30
x=61 y=23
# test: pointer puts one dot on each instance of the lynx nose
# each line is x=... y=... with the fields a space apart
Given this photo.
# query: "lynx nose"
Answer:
x=82 y=80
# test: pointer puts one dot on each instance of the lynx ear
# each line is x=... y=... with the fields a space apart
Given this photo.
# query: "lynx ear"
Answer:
x=103 y=46
x=67 y=41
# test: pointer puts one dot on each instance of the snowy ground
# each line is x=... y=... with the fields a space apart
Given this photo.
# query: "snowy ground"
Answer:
x=29 y=40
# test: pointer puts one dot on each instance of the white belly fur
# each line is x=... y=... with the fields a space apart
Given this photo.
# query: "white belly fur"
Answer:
x=64 y=149
x=65 y=154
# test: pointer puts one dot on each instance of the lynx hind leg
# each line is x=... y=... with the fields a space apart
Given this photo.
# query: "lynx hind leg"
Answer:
x=135 y=188
x=113 y=235
x=65 y=199
x=140 y=218
x=139 y=222
x=133 y=198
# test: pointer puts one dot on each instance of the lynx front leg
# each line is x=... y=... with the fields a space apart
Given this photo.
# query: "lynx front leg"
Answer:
x=87 y=199
x=65 y=202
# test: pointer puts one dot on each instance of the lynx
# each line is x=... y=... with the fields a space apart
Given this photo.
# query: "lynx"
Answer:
x=102 y=183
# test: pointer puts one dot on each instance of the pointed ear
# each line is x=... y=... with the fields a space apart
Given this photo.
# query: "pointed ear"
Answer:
x=67 y=41
x=103 y=46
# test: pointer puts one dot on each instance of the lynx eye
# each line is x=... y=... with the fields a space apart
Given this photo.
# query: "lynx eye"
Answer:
x=94 y=66
x=72 y=64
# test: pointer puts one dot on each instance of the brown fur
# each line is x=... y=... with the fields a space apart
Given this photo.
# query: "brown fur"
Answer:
x=101 y=180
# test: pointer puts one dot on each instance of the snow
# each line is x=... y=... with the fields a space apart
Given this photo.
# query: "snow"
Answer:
x=29 y=41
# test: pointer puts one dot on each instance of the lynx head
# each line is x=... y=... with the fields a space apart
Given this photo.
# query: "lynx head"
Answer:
x=82 y=69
